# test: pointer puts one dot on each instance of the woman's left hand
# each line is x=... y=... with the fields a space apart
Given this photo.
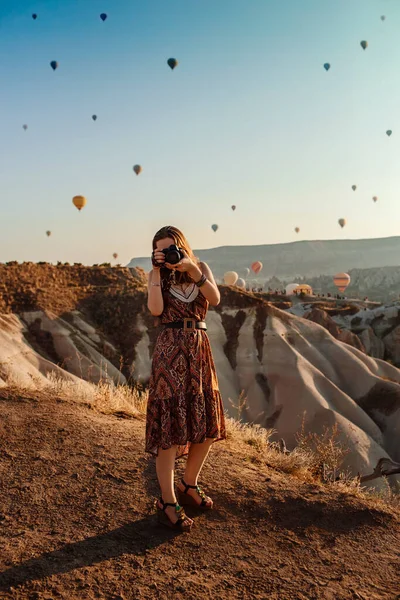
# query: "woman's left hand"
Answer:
x=183 y=266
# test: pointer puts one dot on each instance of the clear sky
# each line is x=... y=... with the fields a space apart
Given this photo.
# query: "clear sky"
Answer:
x=249 y=117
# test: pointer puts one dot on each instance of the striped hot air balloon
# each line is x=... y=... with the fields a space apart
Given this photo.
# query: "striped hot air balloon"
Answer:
x=341 y=280
x=256 y=267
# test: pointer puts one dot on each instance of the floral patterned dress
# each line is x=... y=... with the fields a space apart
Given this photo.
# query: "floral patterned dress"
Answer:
x=184 y=403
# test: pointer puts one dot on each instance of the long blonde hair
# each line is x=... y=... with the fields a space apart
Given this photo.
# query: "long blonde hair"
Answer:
x=167 y=275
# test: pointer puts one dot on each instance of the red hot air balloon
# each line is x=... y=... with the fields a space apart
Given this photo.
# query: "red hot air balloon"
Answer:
x=341 y=280
x=256 y=267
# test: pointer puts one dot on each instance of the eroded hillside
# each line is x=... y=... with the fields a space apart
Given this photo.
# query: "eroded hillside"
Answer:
x=93 y=324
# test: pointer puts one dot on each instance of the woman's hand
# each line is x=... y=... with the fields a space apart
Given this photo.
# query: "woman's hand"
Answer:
x=183 y=266
x=158 y=260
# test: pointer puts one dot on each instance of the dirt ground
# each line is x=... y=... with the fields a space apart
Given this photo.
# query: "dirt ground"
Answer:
x=77 y=521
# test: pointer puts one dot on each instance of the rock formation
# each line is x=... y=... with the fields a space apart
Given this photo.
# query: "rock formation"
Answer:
x=290 y=369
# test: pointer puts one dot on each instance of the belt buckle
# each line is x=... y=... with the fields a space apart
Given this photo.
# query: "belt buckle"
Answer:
x=189 y=324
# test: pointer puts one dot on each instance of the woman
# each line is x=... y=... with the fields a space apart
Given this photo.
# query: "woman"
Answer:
x=185 y=413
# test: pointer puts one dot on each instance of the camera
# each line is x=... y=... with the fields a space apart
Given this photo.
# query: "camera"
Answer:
x=172 y=254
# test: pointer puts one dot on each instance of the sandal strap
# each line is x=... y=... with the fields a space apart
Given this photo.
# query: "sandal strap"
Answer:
x=198 y=489
x=175 y=504
x=191 y=487
x=179 y=511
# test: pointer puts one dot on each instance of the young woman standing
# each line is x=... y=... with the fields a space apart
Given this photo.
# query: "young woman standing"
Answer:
x=185 y=413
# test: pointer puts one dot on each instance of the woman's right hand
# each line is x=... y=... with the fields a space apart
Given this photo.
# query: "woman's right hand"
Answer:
x=157 y=259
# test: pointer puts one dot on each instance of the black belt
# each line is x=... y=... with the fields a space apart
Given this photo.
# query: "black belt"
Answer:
x=187 y=324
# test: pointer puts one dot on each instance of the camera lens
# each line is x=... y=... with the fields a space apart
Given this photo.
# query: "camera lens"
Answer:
x=172 y=257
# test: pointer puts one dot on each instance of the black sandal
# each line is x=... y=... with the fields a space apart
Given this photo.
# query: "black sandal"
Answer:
x=165 y=520
x=187 y=500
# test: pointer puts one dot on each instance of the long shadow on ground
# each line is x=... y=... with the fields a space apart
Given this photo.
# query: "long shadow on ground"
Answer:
x=133 y=538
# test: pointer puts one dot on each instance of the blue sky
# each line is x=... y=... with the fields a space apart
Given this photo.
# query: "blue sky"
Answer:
x=249 y=117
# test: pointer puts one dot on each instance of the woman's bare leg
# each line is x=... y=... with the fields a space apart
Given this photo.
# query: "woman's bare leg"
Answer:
x=165 y=466
x=195 y=461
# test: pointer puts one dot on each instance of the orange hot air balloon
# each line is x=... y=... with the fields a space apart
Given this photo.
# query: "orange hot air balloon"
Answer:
x=256 y=267
x=341 y=280
x=79 y=202
x=305 y=289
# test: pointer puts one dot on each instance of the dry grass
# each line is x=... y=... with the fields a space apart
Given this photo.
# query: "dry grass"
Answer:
x=105 y=397
x=316 y=459
x=326 y=452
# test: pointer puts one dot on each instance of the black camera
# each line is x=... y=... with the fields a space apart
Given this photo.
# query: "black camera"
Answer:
x=172 y=254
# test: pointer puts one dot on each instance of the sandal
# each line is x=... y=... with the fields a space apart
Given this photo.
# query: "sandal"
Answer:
x=165 y=520
x=187 y=500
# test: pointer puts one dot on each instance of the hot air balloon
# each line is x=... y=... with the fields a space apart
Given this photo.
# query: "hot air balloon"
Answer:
x=327 y=66
x=172 y=62
x=256 y=267
x=48 y=233
x=115 y=255
x=54 y=65
x=383 y=17
x=247 y=271
x=79 y=202
x=342 y=222
x=241 y=283
x=233 y=207
x=103 y=16
x=354 y=187
x=297 y=229
x=374 y=198
x=214 y=227
x=364 y=44
x=34 y=16
x=25 y=127
x=138 y=169
x=341 y=280
x=230 y=277
x=94 y=117
x=389 y=132
x=290 y=288
x=305 y=289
